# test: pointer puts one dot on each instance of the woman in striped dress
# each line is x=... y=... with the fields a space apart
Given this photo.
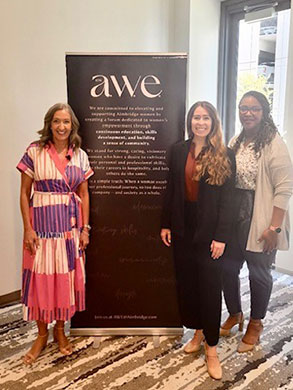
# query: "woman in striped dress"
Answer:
x=54 y=203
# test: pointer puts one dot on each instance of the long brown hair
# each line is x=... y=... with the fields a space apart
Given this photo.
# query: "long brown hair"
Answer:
x=213 y=160
x=46 y=132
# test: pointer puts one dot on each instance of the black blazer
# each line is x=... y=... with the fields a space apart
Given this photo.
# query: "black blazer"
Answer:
x=215 y=213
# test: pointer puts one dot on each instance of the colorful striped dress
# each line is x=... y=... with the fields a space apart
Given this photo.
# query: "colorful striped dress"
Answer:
x=53 y=282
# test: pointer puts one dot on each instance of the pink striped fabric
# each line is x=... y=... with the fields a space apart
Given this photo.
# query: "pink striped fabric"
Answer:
x=53 y=283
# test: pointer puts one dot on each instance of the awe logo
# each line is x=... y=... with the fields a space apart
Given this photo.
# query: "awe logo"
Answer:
x=148 y=85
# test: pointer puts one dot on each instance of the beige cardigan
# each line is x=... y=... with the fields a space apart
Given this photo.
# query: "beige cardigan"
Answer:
x=274 y=187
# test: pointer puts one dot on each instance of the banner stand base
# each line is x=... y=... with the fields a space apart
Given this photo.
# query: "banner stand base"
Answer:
x=126 y=331
x=156 y=341
x=97 y=342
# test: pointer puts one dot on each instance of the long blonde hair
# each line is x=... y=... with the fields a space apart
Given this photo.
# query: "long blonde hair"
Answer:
x=213 y=161
x=46 y=133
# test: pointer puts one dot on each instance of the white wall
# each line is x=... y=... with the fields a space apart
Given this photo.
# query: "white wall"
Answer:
x=35 y=34
x=203 y=50
x=196 y=31
x=179 y=41
x=285 y=259
x=281 y=62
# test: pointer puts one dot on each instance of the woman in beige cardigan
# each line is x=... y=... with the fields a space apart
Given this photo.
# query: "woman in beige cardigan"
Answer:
x=264 y=184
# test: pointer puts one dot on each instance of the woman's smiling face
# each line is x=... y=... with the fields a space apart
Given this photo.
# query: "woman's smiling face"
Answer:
x=61 y=125
x=250 y=113
x=201 y=122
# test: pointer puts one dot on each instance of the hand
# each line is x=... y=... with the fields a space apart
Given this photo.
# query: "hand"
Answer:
x=166 y=236
x=84 y=239
x=270 y=239
x=217 y=249
x=31 y=241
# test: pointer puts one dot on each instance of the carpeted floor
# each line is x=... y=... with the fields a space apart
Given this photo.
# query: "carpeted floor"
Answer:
x=132 y=363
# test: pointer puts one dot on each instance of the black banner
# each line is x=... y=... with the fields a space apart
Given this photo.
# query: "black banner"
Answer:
x=131 y=109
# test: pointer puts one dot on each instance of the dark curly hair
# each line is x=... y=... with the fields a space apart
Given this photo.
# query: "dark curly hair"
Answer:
x=267 y=130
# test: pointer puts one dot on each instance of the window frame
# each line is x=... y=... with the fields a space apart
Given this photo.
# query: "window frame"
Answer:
x=232 y=11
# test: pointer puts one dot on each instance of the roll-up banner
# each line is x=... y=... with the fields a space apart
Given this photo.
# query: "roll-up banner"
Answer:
x=131 y=109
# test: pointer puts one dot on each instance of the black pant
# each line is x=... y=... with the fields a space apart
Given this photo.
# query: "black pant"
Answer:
x=198 y=280
x=259 y=264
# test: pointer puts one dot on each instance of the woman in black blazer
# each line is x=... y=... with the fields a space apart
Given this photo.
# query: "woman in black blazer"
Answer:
x=197 y=213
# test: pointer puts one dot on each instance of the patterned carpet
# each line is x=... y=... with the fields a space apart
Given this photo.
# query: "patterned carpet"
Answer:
x=132 y=363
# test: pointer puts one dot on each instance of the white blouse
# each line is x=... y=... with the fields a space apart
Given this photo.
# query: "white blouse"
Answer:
x=246 y=167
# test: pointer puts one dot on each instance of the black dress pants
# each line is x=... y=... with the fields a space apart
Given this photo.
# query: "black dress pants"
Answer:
x=199 y=282
x=259 y=264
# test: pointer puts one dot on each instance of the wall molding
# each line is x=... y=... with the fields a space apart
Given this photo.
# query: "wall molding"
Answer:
x=283 y=271
x=10 y=298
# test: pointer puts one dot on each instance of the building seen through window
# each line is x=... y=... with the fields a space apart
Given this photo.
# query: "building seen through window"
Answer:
x=262 y=61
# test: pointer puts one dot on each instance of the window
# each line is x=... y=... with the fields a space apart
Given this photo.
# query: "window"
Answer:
x=252 y=56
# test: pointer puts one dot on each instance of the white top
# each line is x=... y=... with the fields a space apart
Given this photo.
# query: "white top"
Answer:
x=247 y=167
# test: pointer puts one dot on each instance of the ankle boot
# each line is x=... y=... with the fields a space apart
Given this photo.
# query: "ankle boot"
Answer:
x=230 y=322
x=194 y=345
x=213 y=363
x=252 y=336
